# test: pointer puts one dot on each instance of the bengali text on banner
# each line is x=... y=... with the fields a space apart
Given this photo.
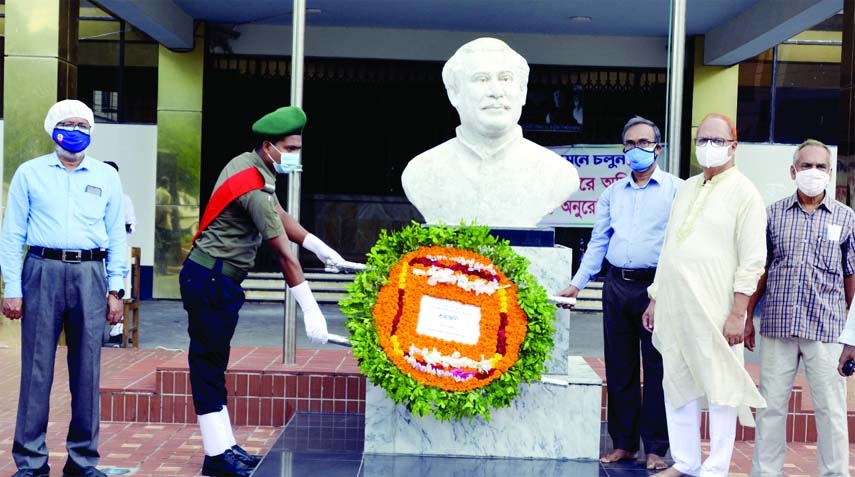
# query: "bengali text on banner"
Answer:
x=598 y=167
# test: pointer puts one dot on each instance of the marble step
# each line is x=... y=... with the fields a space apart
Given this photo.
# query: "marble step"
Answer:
x=332 y=288
x=591 y=298
x=327 y=287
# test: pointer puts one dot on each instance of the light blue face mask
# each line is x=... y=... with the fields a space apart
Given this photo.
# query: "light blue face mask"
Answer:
x=640 y=159
x=288 y=162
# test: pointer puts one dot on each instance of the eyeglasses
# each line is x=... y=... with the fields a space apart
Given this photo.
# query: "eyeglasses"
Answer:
x=717 y=141
x=72 y=126
x=642 y=143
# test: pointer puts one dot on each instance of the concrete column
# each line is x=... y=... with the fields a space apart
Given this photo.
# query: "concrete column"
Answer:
x=40 y=69
x=179 y=161
x=715 y=90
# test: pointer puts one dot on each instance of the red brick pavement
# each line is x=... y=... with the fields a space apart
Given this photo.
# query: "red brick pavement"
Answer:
x=149 y=449
x=176 y=449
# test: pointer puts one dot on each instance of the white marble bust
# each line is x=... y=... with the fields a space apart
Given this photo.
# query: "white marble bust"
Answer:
x=488 y=173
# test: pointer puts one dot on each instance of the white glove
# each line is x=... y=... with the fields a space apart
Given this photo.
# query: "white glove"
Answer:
x=313 y=318
x=325 y=254
x=117 y=329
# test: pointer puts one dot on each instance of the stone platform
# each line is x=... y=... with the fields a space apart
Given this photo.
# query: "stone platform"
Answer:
x=558 y=418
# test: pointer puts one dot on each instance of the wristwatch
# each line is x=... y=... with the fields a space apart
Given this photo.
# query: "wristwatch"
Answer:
x=117 y=293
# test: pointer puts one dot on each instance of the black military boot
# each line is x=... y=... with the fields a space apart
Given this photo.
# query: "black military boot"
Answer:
x=248 y=459
x=227 y=464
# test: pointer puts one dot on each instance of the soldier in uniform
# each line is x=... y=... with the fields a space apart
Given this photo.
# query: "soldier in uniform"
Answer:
x=242 y=212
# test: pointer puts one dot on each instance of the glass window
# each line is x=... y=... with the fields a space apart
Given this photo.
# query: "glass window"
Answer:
x=792 y=91
x=754 y=102
x=117 y=68
x=807 y=101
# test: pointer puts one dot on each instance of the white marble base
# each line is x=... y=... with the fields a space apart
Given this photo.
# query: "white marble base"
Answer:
x=553 y=269
x=554 y=419
x=381 y=465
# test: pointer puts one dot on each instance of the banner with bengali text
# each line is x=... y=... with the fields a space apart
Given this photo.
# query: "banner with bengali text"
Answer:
x=598 y=167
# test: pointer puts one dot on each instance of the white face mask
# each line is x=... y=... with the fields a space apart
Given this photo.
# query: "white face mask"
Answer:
x=812 y=182
x=710 y=155
x=288 y=162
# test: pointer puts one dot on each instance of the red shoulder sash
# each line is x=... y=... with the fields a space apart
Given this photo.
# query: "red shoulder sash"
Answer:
x=235 y=186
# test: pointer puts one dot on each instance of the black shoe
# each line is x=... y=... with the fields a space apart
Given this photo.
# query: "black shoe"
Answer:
x=69 y=471
x=248 y=459
x=43 y=471
x=227 y=464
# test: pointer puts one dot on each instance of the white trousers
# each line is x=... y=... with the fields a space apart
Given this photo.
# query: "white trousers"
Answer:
x=779 y=363
x=684 y=435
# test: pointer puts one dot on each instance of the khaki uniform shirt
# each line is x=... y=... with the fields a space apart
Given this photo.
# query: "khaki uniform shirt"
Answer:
x=235 y=235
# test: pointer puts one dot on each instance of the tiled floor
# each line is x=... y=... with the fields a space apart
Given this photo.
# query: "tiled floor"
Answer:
x=330 y=445
x=312 y=444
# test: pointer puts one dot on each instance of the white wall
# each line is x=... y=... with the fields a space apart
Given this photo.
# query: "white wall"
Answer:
x=426 y=45
x=134 y=148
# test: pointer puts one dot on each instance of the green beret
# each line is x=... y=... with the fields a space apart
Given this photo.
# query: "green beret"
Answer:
x=282 y=122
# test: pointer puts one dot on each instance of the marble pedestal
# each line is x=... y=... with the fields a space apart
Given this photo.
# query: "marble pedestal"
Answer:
x=558 y=418
x=552 y=267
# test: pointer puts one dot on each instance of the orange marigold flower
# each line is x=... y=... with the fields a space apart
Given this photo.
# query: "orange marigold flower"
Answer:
x=460 y=276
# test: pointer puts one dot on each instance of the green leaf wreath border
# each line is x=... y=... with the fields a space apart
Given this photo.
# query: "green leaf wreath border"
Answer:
x=400 y=386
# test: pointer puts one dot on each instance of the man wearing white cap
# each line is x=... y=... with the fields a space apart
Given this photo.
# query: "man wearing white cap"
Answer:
x=67 y=208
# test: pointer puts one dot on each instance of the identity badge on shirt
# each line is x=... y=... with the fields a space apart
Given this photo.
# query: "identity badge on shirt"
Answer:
x=834 y=232
x=97 y=191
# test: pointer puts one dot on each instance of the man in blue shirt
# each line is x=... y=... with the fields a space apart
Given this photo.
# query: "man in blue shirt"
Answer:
x=67 y=208
x=628 y=232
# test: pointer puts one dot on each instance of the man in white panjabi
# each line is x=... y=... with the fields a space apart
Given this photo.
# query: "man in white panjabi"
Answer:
x=712 y=259
x=488 y=174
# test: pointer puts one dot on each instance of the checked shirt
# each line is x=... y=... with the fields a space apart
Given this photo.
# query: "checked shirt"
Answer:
x=808 y=254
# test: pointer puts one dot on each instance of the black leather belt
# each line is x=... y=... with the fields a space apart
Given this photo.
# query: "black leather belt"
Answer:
x=635 y=274
x=69 y=256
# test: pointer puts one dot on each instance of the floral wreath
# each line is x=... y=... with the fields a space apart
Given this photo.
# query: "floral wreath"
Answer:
x=439 y=361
